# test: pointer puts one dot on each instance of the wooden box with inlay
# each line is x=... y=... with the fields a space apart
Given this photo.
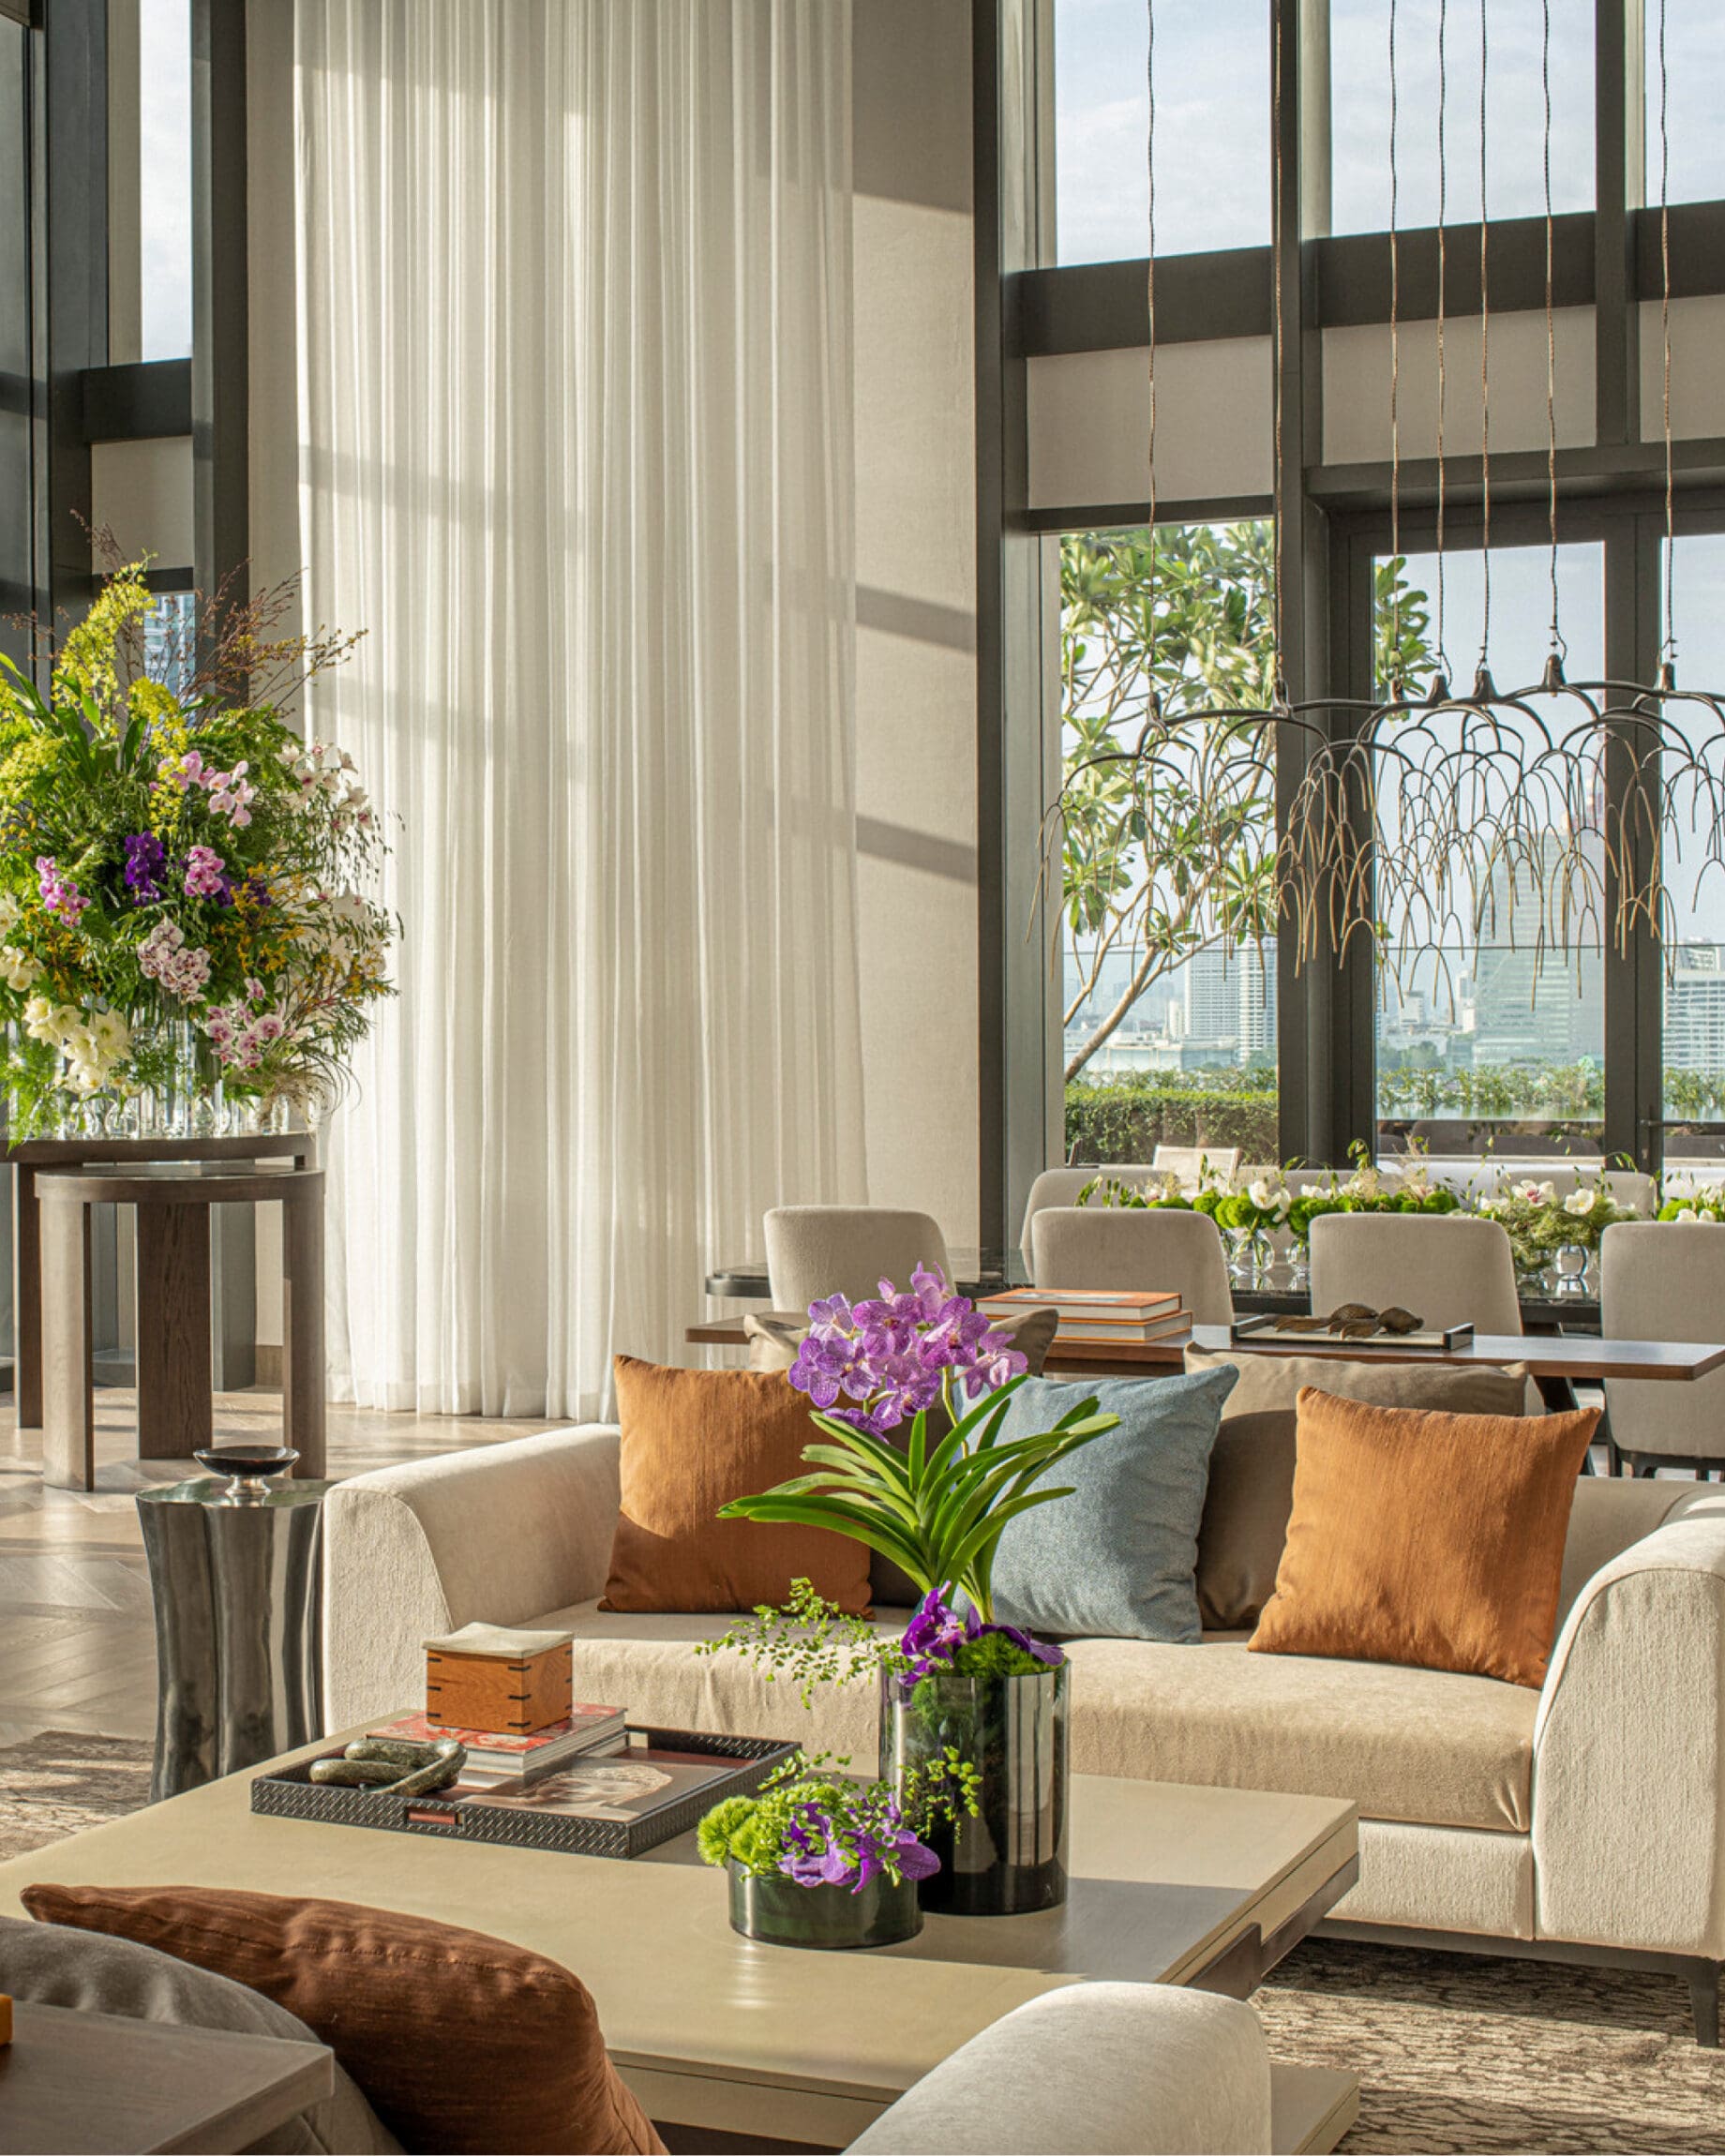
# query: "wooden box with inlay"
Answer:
x=518 y=1695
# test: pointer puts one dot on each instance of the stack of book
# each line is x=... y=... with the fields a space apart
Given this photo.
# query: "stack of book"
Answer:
x=498 y=1760
x=1120 y=1317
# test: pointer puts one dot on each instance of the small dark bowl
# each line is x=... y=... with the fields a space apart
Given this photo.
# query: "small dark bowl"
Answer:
x=247 y=1462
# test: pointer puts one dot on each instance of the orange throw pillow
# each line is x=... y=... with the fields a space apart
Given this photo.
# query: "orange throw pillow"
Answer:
x=693 y=1440
x=1434 y=1540
x=460 y=2041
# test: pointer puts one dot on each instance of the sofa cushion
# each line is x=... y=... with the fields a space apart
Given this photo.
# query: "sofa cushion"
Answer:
x=461 y=2042
x=1404 y=1744
x=1271 y=1381
x=692 y=1441
x=1416 y=1744
x=1245 y=1520
x=644 y=1663
x=57 y=1965
x=1116 y=1559
x=1431 y=1539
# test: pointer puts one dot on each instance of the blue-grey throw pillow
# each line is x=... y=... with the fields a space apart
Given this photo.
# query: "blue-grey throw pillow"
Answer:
x=1118 y=1559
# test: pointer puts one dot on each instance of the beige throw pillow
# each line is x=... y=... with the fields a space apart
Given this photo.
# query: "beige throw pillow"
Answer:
x=1271 y=1383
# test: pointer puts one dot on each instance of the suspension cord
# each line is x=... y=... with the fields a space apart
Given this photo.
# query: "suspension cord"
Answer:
x=1668 y=649
x=1149 y=280
x=1395 y=365
x=1275 y=250
x=1485 y=357
x=1558 y=647
x=1443 y=206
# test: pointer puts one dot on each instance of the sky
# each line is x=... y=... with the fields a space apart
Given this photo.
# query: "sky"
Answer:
x=164 y=192
x=1212 y=116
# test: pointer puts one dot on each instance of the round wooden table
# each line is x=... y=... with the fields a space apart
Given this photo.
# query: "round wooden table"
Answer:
x=174 y=1406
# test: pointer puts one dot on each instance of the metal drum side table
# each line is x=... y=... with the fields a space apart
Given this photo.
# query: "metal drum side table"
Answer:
x=174 y=1408
x=236 y=1588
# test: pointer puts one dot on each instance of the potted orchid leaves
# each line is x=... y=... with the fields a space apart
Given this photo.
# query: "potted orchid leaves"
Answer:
x=913 y=1394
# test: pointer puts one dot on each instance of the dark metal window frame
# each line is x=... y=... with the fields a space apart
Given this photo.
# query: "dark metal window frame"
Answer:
x=1606 y=258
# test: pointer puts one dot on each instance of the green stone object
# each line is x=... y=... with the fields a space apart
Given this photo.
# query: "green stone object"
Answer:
x=393 y=1768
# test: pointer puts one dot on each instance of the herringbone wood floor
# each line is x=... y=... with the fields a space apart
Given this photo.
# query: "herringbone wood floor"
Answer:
x=76 y=1643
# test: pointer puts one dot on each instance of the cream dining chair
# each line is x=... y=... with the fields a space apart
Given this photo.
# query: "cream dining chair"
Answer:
x=1665 y=1281
x=814 y=1252
x=1147 y=1249
x=1448 y=1268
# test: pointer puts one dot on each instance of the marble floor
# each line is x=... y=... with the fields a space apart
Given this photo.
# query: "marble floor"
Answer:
x=77 y=1644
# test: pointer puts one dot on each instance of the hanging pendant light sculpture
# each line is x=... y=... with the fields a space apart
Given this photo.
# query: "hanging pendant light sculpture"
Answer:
x=1498 y=810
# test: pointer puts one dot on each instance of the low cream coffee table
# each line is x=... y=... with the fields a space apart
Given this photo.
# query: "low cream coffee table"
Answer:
x=1169 y=1885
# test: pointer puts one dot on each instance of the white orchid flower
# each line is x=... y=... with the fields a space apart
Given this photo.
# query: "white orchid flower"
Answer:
x=1580 y=1203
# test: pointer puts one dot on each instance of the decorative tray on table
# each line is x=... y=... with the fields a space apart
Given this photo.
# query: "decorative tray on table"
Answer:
x=649 y=1786
x=1353 y=1326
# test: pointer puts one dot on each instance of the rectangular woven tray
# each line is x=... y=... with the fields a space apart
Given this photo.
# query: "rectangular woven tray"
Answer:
x=1267 y=1331
x=289 y=1793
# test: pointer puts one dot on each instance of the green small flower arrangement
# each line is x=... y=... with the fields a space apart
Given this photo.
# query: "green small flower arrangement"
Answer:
x=819 y=1828
x=1707 y=1202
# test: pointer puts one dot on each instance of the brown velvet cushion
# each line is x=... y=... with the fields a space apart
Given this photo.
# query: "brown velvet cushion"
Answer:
x=693 y=1440
x=458 y=2041
x=1433 y=1540
x=774 y=1336
x=1245 y=1520
x=1269 y=1383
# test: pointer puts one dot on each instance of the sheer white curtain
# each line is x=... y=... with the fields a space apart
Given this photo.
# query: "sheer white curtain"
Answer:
x=576 y=427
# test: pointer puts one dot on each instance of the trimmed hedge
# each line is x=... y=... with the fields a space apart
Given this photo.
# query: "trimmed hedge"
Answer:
x=1125 y=1120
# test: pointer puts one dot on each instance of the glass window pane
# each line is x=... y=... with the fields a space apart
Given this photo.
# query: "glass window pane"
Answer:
x=1212 y=128
x=164 y=178
x=1515 y=116
x=1170 y=958
x=1695 y=882
x=169 y=640
x=1485 y=1040
x=1695 y=68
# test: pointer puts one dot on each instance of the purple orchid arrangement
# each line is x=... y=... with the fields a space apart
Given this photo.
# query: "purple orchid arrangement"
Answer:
x=897 y=1355
x=811 y=1826
x=934 y=1639
x=825 y=1850
x=937 y=1502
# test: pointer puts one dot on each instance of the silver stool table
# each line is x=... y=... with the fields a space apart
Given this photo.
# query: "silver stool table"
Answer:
x=234 y=1581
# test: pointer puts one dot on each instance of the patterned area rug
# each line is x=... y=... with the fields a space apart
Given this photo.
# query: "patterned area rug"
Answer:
x=56 y=1784
x=1455 y=2053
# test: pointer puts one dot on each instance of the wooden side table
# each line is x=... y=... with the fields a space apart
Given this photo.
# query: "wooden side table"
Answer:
x=174 y=1407
x=104 y=2082
x=29 y=1157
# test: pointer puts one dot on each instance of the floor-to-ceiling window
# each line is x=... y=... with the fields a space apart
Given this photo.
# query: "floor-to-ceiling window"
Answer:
x=1525 y=1017
x=1490 y=997
x=1167 y=841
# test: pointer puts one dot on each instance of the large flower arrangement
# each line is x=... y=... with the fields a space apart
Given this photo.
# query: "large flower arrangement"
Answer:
x=1540 y=1223
x=184 y=896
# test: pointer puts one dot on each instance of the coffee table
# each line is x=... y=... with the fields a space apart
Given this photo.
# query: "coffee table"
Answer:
x=1207 y=1887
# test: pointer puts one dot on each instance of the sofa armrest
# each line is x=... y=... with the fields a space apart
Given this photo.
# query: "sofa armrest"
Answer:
x=501 y=1535
x=1629 y=1748
x=1141 y=2069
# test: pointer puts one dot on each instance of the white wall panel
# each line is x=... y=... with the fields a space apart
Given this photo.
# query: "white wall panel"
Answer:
x=1089 y=423
x=141 y=492
x=1698 y=373
x=916 y=601
x=1357 y=379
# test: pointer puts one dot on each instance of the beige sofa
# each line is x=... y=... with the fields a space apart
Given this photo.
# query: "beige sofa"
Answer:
x=1584 y=1821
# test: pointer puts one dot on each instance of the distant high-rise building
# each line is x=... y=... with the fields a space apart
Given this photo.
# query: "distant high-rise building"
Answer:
x=1527 y=1005
x=1231 y=1000
x=1695 y=1009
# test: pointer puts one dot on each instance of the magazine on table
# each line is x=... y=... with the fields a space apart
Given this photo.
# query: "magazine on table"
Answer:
x=629 y=1783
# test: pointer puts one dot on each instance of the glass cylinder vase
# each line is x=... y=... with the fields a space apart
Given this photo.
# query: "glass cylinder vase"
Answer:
x=1012 y=1856
x=774 y=1909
